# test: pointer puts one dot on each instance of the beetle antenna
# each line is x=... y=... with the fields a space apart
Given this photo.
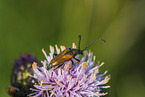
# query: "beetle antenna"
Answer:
x=93 y=42
x=79 y=41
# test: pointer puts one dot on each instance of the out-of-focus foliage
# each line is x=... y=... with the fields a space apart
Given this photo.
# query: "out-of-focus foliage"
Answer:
x=30 y=25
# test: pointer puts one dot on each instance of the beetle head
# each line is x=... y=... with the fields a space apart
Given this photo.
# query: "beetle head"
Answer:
x=80 y=52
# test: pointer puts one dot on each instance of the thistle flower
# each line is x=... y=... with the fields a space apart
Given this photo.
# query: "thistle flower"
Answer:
x=20 y=79
x=81 y=80
x=21 y=71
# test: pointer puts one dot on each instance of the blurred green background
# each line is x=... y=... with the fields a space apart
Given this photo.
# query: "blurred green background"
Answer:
x=30 y=25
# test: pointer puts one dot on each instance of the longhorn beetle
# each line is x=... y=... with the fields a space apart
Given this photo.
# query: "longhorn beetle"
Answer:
x=67 y=55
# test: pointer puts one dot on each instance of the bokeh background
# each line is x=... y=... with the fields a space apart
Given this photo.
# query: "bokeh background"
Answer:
x=30 y=25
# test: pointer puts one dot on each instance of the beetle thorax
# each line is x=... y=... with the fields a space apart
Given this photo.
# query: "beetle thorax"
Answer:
x=76 y=52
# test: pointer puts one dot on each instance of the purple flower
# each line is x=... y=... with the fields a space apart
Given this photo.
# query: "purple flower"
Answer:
x=81 y=80
x=21 y=70
x=20 y=79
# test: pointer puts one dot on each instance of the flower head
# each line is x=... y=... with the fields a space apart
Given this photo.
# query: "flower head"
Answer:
x=21 y=71
x=78 y=79
x=20 y=79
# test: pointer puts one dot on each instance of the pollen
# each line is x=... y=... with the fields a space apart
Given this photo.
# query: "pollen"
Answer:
x=93 y=76
x=96 y=93
x=84 y=65
x=69 y=79
x=77 y=78
x=106 y=79
x=34 y=65
x=62 y=70
x=44 y=64
x=41 y=82
x=79 y=82
x=58 y=82
x=96 y=71
x=55 y=94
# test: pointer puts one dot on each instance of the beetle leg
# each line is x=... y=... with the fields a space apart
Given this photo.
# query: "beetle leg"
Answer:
x=58 y=66
x=77 y=59
x=49 y=67
x=73 y=64
x=55 y=54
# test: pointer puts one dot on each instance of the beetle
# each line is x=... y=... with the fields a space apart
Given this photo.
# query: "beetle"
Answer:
x=67 y=55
